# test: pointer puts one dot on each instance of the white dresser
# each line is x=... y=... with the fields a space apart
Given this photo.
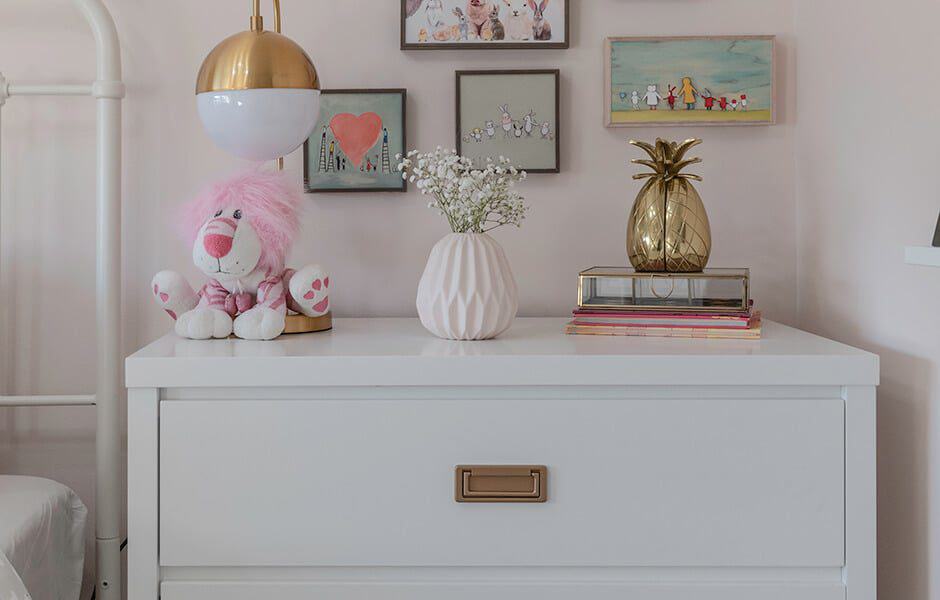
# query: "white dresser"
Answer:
x=598 y=468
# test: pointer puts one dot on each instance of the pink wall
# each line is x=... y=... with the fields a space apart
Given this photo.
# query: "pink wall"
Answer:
x=867 y=186
x=376 y=244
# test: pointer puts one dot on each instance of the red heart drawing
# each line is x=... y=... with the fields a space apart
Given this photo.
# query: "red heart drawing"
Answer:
x=326 y=282
x=356 y=135
x=316 y=284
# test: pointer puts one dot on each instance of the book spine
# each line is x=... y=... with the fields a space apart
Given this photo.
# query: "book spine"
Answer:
x=753 y=333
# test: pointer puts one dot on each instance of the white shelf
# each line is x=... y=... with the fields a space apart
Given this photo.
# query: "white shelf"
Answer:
x=926 y=256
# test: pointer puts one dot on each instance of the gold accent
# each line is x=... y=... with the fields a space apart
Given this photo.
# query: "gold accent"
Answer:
x=501 y=483
x=305 y=324
x=672 y=287
x=257 y=22
x=668 y=229
x=257 y=59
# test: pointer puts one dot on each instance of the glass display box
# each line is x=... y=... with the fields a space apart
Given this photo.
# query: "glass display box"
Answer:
x=623 y=288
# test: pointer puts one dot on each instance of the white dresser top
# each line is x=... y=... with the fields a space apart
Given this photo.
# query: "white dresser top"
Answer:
x=535 y=351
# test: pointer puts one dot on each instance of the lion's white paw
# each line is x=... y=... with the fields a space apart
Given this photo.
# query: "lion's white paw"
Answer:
x=259 y=323
x=203 y=324
x=310 y=289
x=173 y=293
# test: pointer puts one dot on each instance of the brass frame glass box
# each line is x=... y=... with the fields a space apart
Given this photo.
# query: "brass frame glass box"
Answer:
x=623 y=288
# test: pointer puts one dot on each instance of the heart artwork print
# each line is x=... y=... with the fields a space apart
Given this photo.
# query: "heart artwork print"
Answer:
x=356 y=134
x=355 y=146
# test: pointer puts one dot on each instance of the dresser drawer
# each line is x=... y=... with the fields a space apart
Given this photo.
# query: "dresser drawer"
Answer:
x=633 y=482
x=502 y=590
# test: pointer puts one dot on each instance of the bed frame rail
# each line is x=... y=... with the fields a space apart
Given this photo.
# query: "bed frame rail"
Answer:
x=108 y=91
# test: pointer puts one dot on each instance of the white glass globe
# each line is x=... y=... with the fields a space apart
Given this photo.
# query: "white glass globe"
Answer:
x=259 y=124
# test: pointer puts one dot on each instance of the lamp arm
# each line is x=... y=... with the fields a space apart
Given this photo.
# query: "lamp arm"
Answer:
x=257 y=22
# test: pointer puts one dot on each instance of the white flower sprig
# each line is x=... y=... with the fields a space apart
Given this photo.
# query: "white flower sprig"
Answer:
x=472 y=200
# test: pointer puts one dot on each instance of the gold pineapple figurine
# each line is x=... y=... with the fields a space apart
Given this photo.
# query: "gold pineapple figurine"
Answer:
x=668 y=229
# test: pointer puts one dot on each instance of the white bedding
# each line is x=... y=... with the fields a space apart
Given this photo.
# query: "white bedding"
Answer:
x=42 y=526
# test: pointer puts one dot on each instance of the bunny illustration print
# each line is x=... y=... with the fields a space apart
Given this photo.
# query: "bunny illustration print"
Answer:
x=635 y=99
x=493 y=30
x=519 y=21
x=529 y=123
x=434 y=11
x=541 y=29
x=490 y=129
x=463 y=24
x=547 y=131
x=506 y=120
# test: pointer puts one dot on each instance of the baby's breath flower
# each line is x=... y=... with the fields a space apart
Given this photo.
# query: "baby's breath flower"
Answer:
x=473 y=200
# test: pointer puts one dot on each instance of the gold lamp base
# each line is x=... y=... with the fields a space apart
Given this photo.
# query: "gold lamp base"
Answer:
x=305 y=324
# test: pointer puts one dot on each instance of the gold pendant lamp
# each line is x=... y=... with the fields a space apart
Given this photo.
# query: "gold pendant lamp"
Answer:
x=257 y=92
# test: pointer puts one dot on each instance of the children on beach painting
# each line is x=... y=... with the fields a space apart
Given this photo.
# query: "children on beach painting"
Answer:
x=689 y=96
x=674 y=81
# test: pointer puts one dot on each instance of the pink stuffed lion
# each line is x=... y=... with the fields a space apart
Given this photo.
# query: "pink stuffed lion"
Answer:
x=241 y=231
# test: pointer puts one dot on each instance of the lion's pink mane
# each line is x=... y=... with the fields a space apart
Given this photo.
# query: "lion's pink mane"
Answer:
x=268 y=200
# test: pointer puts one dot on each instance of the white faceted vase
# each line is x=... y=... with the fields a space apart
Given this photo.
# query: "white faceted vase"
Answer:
x=467 y=291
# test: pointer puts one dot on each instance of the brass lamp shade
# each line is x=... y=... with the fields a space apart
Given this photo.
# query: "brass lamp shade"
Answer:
x=257 y=60
x=258 y=93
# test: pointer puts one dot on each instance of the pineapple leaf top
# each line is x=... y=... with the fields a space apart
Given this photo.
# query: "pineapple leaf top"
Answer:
x=667 y=159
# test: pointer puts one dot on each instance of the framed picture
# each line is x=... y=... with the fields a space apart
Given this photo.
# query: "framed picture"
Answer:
x=354 y=145
x=510 y=113
x=484 y=24
x=715 y=80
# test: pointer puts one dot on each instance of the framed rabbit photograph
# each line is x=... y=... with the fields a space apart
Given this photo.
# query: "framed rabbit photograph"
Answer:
x=510 y=113
x=484 y=24
x=354 y=146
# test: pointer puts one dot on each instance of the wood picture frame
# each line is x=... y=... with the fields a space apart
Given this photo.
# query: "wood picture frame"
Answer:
x=737 y=76
x=430 y=43
x=347 y=145
x=494 y=144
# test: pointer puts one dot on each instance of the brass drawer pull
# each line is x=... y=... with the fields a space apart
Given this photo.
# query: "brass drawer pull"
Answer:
x=501 y=483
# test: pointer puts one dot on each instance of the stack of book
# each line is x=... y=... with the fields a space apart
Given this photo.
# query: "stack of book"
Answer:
x=711 y=304
x=736 y=325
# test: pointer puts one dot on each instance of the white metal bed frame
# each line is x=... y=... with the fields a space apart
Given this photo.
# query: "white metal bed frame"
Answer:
x=108 y=91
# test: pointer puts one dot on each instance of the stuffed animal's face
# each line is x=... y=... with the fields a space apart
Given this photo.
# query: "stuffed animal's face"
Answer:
x=227 y=247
